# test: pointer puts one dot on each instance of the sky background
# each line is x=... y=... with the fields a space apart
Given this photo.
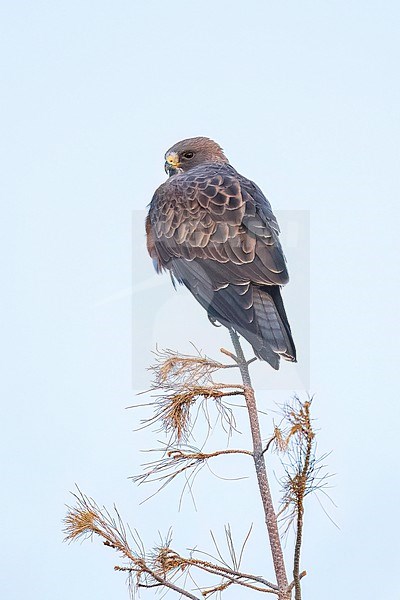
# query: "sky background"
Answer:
x=304 y=98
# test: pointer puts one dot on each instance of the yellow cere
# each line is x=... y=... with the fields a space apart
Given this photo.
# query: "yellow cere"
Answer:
x=172 y=159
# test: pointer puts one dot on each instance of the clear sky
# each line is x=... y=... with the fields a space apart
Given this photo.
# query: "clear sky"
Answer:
x=304 y=98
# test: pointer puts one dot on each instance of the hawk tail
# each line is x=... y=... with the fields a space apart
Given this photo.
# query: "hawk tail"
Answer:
x=273 y=338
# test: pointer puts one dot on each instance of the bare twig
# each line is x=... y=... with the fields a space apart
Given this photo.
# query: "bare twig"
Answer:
x=261 y=471
x=86 y=519
x=236 y=575
x=292 y=585
x=168 y=584
x=173 y=368
x=297 y=441
x=178 y=460
x=181 y=382
x=156 y=569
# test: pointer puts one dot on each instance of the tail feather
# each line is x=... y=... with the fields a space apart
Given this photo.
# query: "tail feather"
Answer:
x=275 y=293
x=269 y=330
x=255 y=312
x=273 y=326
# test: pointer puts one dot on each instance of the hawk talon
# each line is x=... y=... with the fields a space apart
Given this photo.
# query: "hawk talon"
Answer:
x=213 y=321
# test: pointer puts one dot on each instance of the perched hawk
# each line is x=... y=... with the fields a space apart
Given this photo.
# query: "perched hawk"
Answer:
x=215 y=232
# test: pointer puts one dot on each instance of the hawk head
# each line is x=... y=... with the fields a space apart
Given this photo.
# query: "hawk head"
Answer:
x=185 y=155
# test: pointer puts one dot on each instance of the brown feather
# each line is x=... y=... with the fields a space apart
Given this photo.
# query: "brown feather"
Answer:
x=216 y=233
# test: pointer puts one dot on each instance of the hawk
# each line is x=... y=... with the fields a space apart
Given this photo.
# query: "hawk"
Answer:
x=215 y=232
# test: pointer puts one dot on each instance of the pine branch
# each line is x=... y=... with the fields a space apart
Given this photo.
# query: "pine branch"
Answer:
x=261 y=471
x=182 y=382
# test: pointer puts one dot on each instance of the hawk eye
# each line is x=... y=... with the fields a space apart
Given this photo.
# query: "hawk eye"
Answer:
x=188 y=155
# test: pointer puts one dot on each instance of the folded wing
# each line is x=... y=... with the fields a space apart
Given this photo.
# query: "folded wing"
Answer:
x=215 y=232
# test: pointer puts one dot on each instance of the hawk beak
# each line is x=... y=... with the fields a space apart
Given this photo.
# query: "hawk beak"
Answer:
x=172 y=163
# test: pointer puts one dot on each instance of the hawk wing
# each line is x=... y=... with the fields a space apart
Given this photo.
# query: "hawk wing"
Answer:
x=215 y=232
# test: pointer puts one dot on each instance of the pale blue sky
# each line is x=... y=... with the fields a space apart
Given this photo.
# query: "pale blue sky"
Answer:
x=304 y=98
